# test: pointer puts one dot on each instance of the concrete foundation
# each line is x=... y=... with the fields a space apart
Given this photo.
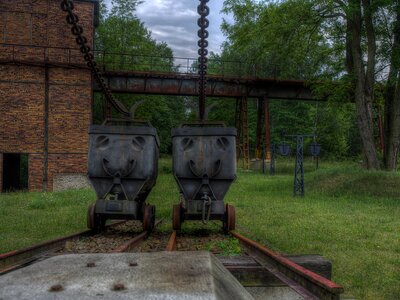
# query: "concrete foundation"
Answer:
x=65 y=181
x=276 y=293
x=257 y=165
x=160 y=275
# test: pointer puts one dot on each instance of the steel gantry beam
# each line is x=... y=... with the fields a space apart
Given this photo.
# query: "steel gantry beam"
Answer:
x=139 y=82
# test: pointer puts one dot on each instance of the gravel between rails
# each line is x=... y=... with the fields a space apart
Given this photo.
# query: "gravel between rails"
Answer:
x=157 y=241
x=106 y=241
x=192 y=239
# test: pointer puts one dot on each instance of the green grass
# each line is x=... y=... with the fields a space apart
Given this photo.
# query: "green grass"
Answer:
x=28 y=218
x=349 y=215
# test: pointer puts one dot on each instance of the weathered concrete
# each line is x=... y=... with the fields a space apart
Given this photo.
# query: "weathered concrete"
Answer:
x=277 y=292
x=160 y=275
x=257 y=165
x=66 y=181
x=314 y=262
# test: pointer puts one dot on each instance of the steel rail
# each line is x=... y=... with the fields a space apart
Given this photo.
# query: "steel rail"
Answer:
x=283 y=267
x=129 y=245
x=171 y=246
x=19 y=258
x=303 y=281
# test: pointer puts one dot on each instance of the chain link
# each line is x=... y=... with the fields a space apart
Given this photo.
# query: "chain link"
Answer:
x=203 y=10
x=77 y=30
x=206 y=211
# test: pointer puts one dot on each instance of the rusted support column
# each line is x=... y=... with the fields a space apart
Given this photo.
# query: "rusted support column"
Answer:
x=238 y=125
x=267 y=128
x=245 y=132
x=242 y=125
x=259 y=129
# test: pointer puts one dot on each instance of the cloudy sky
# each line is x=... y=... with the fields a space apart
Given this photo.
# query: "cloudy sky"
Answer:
x=175 y=22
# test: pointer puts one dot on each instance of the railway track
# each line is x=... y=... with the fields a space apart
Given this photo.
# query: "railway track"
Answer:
x=259 y=268
x=117 y=238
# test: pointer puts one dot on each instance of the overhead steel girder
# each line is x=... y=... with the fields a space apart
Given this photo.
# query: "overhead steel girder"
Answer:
x=217 y=86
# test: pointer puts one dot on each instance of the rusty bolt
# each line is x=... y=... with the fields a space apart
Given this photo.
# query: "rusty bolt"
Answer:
x=90 y=264
x=118 y=287
x=56 y=288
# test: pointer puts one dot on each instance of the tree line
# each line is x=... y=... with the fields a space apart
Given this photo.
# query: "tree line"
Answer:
x=348 y=51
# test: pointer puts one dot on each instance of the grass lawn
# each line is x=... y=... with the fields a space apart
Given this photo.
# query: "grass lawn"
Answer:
x=350 y=216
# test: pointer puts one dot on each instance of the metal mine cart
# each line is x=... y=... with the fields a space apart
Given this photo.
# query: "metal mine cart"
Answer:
x=123 y=165
x=204 y=166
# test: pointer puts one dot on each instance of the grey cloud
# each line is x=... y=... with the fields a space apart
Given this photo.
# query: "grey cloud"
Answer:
x=175 y=22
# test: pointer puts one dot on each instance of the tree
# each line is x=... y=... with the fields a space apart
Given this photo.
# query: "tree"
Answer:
x=359 y=16
x=368 y=34
x=392 y=95
x=124 y=9
x=286 y=38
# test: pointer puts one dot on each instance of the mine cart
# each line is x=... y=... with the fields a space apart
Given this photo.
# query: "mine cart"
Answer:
x=122 y=167
x=204 y=166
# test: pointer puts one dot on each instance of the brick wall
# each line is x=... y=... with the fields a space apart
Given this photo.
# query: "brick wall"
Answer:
x=1 y=172
x=66 y=163
x=23 y=86
x=35 y=176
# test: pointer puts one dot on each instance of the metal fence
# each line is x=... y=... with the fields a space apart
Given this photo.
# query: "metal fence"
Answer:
x=111 y=61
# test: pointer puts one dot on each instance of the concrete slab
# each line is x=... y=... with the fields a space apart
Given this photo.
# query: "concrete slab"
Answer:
x=277 y=293
x=159 y=275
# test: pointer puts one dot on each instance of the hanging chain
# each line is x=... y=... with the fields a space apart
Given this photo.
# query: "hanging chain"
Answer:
x=81 y=40
x=206 y=211
x=203 y=10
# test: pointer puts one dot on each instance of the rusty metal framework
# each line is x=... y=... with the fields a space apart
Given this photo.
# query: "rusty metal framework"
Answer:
x=242 y=125
x=125 y=62
x=263 y=131
x=259 y=129
x=298 y=183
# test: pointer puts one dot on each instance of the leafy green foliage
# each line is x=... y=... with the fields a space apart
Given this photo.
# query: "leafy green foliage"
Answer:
x=303 y=39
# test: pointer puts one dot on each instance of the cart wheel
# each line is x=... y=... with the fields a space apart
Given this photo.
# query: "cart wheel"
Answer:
x=176 y=217
x=230 y=218
x=91 y=218
x=148 y=218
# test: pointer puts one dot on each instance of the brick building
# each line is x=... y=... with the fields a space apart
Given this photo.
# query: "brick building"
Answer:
x=45 y=92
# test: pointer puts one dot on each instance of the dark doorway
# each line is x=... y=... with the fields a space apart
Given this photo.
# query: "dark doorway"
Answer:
x=15 y=172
